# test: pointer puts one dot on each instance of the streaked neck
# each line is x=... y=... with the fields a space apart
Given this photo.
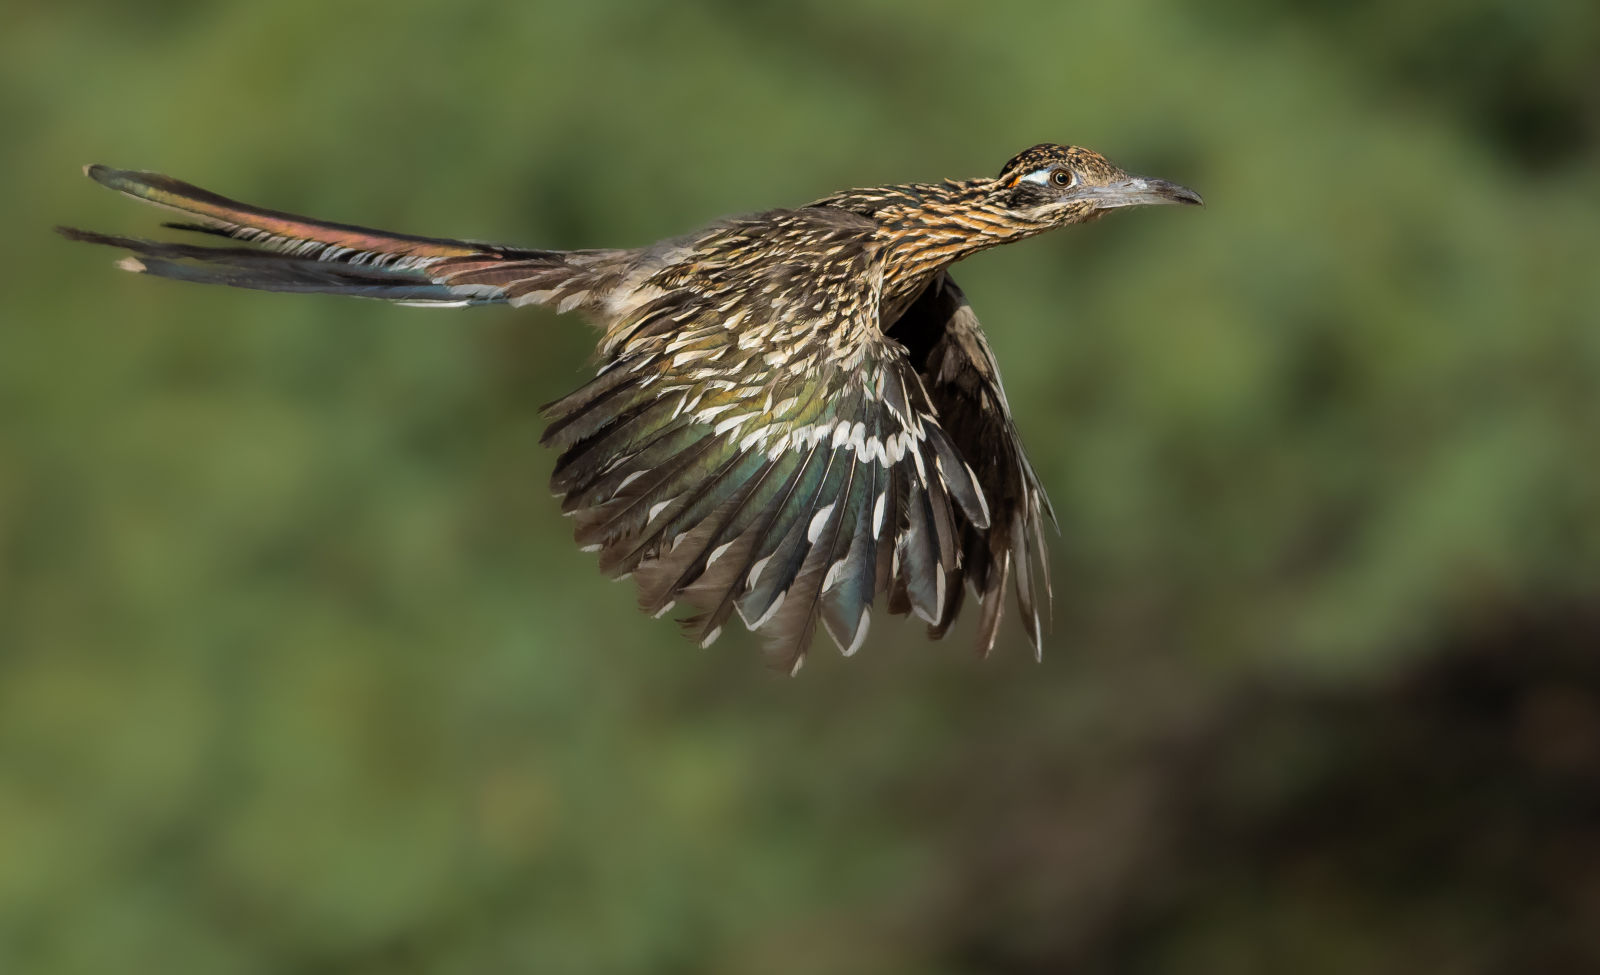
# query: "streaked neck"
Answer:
x=926 y=227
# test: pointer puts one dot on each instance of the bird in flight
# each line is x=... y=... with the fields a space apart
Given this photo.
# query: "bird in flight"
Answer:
x=796 y=411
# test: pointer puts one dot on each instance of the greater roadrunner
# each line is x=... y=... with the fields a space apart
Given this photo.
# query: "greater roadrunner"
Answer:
x=796 y=411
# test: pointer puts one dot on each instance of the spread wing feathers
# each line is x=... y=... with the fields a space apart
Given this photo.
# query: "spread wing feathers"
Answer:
x=786 y=488
x=285 y=252
x=949 y=351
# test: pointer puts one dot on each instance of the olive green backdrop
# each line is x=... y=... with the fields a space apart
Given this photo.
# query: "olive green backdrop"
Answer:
x=300 y=670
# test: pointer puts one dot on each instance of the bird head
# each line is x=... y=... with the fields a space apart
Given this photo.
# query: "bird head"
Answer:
x=1057 y=185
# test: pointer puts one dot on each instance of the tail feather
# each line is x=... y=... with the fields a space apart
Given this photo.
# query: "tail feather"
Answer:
x=262 y=270
x=298 y=254
x=274 y=228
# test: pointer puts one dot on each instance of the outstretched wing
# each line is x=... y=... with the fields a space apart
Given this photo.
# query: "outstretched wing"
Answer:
x=948 y=350
x=757 y=446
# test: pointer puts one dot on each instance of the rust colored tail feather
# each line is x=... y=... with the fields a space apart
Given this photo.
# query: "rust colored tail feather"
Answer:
x=286 y=252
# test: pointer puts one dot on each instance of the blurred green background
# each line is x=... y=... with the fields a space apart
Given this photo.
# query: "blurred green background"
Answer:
x=301 y=672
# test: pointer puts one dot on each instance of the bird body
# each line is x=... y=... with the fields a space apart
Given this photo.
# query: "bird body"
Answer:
x=796 y=411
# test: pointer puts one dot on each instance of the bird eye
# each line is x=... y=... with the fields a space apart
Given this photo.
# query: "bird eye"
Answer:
x=1062 y=178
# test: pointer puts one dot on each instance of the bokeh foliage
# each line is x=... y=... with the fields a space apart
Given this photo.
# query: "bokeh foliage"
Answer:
x=299 y=670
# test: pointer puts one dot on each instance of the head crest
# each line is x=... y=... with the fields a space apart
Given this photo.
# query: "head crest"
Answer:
x=1035 y=158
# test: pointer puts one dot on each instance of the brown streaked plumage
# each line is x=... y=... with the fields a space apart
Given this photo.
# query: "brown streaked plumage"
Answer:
x=796 y=411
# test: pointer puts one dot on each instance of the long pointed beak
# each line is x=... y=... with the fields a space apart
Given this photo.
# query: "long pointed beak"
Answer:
x=1139 y=191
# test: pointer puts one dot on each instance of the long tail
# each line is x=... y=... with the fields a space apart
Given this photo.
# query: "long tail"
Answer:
x=284 y=252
